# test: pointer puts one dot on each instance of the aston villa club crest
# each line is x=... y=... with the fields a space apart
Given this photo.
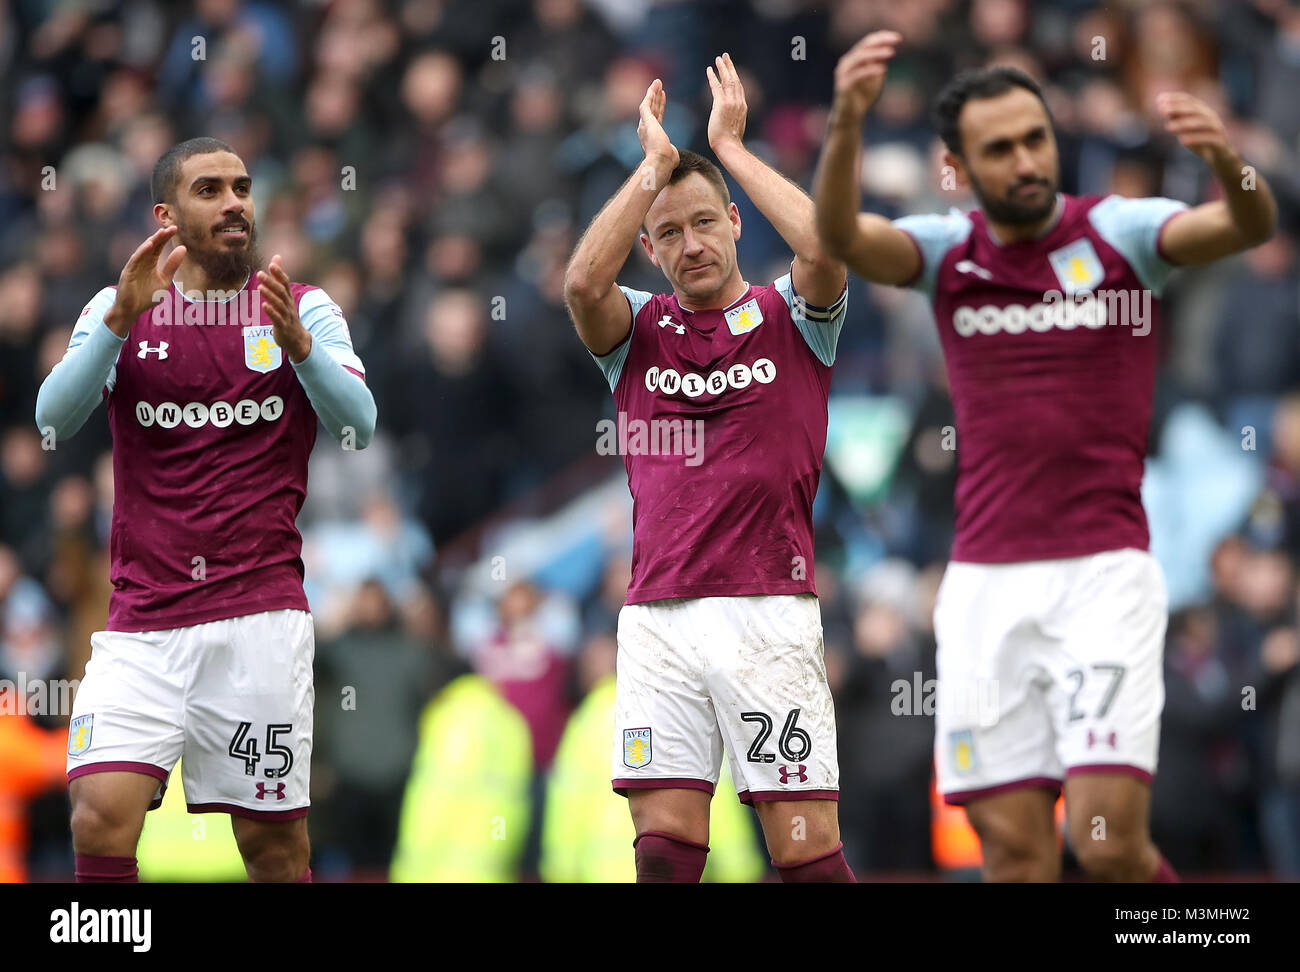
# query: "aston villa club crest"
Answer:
x=79 y=733
x=1077 y=266
x=261 y=353
x=746 y=317
x=961 y=748
x=636 y=748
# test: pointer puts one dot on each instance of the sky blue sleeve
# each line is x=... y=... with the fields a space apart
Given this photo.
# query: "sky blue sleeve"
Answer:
x=935 y=235
x=1132 y=226
x=820 y=326
x=324 y=320
x=340 y=398
x=612 y=364
x=75 y=386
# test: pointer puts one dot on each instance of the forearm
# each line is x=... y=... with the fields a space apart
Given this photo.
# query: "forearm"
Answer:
x=787 y=207
x=604 y=248
x=340 y=398
x=836 y=194
x=75 y=386
x=1253 y=211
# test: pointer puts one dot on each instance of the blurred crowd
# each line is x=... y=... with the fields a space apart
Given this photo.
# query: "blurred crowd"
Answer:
x=431 y=164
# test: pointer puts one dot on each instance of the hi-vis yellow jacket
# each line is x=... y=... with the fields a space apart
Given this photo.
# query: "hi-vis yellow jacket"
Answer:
x=587 y=831
x=180 y=846
x=466 y=810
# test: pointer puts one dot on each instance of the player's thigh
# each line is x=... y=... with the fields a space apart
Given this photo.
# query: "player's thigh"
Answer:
x=263 y=839
x=1017 y=832
x=1110 y=807
x=249 y=718
x=766 y=674
x=126 y=730
x=799 y=830
x=666 y=737
x=680 y=812
x=1108 y=672
x=108 y=811
x=993 y=727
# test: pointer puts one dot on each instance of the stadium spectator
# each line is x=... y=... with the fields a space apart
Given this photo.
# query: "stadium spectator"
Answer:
x=530 y=671
x=1201 y=763
x=886 y=701
x=454 y=417
x=373 y=680
x=473 y=764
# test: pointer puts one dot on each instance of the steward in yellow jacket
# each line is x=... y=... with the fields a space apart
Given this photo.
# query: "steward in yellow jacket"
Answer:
x=466 y=810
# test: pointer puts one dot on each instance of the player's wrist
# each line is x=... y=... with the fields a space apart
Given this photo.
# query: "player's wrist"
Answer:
x=119 y=319
x=299 y=347
x=661 y=163
x=727 y=146
x=1227 y=164
x=846 y=115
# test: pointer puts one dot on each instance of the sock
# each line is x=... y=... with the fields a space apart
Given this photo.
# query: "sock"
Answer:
x=305 y=879
x=93 y=869
x=830 y=868
x=664 y=859
x=1165 y=873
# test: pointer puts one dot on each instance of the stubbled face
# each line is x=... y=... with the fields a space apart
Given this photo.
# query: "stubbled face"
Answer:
x=1009 y=157
x=214 y=212
x=691 y=236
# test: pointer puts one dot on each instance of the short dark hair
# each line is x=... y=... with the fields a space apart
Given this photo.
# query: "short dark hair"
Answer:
x=167 y=171
x=688 y=162
x=977 y=83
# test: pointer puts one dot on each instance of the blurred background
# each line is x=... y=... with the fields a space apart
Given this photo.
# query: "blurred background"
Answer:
x=430 y=164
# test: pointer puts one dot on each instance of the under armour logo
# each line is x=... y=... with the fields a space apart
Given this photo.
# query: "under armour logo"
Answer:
x=667 y=321
x=161 y=350
x=786 y=773
x=1093 y=739
x=969 y=266
x=263 y=790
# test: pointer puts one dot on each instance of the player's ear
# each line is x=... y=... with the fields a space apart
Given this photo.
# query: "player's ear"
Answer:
x=734 y=215
x=649 y=248
x=162 y=214
x=952 y=164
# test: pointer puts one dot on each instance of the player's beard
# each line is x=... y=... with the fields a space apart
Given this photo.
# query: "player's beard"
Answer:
x=1011 y=212
x=220 y=262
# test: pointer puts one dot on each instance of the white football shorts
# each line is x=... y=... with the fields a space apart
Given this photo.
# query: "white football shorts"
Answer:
x=747 y=673
x=1048 y=669
x=232 y=697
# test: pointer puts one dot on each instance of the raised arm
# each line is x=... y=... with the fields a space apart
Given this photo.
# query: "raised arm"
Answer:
x=599 y=310
x=314 y=336
x=1246 y=215
x=72 y=390
x=818 y=277
x=871 y=245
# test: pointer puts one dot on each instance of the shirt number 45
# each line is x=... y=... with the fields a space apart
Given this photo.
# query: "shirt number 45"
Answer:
x=794 y=743
x=242 y=746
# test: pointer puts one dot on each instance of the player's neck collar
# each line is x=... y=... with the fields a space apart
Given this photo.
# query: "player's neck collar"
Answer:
x=689 y=310
x=1055 y=221
x=204 y=300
